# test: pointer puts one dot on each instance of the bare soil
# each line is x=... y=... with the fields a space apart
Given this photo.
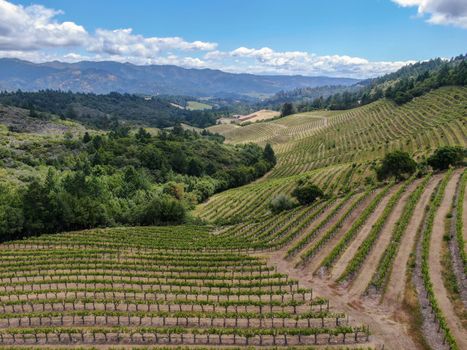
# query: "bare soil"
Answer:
x=341 y=263
x=361 y=281
x=396 y=285
x=440 y=292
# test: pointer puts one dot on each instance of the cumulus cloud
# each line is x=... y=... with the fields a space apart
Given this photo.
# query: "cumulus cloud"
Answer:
x=267 y=60
x=34 y=27
x=124 y=43
x=35 y=33
x=447 y=12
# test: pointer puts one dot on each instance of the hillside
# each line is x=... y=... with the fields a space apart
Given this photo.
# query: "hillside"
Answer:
x=106 y=77
x=331 y=273
x=103 y=111
x=336 y=145
x=355 y=246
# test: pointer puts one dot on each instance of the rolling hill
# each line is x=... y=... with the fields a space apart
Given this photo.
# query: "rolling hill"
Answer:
x=105 y=77
x=345 y=270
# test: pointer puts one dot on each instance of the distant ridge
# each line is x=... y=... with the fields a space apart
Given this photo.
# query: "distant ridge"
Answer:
x=108 y=76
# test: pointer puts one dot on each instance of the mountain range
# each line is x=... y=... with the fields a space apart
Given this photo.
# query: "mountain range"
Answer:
x=108 y=76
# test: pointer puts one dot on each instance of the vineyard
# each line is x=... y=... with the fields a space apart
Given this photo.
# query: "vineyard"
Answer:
x=351 y=270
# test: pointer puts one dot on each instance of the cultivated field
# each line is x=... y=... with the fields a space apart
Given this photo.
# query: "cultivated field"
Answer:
x=347 y=271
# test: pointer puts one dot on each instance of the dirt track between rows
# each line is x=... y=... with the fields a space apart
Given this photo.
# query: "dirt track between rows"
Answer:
x=436 y=269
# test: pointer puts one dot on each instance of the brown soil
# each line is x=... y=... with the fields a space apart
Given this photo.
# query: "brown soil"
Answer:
x=396 y=285
x=361 y=281
x=435 y=270
x=348 y=254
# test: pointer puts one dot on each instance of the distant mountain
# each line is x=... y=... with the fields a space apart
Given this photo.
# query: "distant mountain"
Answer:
x=105 y=77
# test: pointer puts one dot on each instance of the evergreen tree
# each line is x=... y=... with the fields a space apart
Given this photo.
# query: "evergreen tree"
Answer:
x=269 y=154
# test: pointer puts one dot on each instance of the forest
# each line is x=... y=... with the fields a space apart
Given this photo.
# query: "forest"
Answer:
x=401 y=87
x=123 y=178
x=103 y=110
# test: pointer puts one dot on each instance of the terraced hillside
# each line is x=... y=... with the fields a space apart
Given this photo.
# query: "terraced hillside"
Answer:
x=157 y=286
x=338 y=148
x=371 y=266
x=374 y=251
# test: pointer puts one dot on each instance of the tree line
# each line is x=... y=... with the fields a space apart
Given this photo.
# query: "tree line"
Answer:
x=123 y=178
x=102 y=110
x=402 y=86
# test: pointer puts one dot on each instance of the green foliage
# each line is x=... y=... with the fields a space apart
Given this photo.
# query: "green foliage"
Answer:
x=364 y=249
x=339 y=248
x=307 y=193
x=428 y=284
x=269 y=154
x=381 y=276
x=447 y=156
x=281 y=202
x=401 y=86
x=123 y=179
x=460 y=220
x=396 y=164
x=287 y=109
x=102 y=110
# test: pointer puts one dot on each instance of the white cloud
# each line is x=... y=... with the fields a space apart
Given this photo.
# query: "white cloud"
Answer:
x=446 y=12
x=266 y=60
x=35 y=33
x=123 y=42
x=34 y=27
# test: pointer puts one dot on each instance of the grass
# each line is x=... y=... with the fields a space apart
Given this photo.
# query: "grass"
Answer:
x=197 y=106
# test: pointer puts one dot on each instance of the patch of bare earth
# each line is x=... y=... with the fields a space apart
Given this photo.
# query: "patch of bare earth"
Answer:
x=347 y=224
x=396 y=285
x=342 y=262
x=361 y=281
x=385 y=331
x=435 y=271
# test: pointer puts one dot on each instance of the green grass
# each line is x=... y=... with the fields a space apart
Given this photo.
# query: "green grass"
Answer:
x=197 y=106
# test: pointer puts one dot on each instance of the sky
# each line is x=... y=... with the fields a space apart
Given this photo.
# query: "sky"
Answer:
x=347 y=38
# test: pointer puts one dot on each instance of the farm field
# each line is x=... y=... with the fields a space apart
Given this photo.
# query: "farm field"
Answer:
x=261 y=115
x=348 y=271
x=197 y=106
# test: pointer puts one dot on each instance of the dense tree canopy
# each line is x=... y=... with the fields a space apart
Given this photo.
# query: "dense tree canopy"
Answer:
x=447 y=156
x=103 y=110
x=307 y=192
x=396 y=164
x=401 y=86
x=123 y=178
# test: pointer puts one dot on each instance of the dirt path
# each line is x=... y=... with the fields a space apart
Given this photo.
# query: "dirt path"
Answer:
x=332 y=221
x=393 y=335
x=356 y=212
x=396 y=284
x=361 y=281
x=436 y=271
x=313 y=224
x=348 y=254
x=464 y=218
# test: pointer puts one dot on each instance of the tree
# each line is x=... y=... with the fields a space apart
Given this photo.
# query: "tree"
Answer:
x=142 y=135
x=195 y=167
x=269 y=155
x=33 y=113
x=307 y=193
x=86 y=138
x=398 y=164
x=447 y=156
x=287 y=109
x=281 y=202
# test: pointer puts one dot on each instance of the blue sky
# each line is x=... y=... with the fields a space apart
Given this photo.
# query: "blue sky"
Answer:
x=356 y=38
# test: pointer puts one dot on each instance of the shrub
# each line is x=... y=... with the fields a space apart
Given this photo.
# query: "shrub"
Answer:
x=281 y=202
x=307 y=193
x=398 y=164
x=447 y=156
